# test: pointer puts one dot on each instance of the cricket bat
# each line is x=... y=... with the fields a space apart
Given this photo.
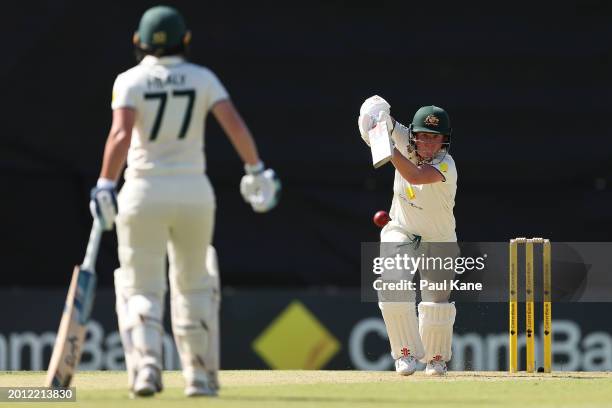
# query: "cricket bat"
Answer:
x=73 y=326
x=380 y=143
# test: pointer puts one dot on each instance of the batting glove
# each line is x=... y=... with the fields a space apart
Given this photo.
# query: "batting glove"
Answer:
x=367 y=122
x=103 y=203
x=373 y=105
x=260 y=188
x=369 y=114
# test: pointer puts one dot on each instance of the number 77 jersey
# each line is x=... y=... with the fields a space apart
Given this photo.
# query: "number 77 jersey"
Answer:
x=172 y=98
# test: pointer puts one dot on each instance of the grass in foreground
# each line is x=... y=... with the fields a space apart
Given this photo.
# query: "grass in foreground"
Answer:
x=270 y=389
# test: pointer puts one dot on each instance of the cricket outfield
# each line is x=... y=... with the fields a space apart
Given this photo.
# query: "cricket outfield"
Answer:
x=270 y=389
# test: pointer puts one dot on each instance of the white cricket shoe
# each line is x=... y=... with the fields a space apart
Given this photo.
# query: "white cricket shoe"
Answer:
x=406 y=365
x=436 y=367
x=147 y=382
x=200 y=389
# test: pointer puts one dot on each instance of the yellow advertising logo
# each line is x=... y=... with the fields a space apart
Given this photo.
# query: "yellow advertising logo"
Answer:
x=444 y=167
x=296 y=340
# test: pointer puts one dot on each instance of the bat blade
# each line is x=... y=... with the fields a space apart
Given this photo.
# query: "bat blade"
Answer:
x=72 y=330
x=380 y=144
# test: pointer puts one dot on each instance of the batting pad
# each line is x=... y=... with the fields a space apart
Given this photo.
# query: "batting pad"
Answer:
x=403 y=329
x=192 y=315
x=436 y=322
x=213 y=352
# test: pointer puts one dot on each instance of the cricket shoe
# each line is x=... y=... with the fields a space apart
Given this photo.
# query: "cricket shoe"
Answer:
x=213 y=380
x=406 y=365
x=200 y=389
x=437 y=366
x=147 y=382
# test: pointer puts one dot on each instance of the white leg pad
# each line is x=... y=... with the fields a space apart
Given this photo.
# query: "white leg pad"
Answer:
x=192 y=319
x=403 y=329
x=436 y=322
x=141 y=330
x=130 y=364
x=213 y=354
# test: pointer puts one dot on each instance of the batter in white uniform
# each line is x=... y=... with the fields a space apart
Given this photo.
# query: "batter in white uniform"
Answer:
x=422 y=223
x=167 y=205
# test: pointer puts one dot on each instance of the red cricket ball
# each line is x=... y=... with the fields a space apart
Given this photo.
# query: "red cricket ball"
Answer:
x=381 y=218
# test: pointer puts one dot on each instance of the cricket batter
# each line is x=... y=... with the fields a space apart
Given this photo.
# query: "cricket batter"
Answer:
x=167 y=205
x=422 y=223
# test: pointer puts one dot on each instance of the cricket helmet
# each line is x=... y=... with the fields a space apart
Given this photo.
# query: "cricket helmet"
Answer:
x=162 y=31
x=431 y=119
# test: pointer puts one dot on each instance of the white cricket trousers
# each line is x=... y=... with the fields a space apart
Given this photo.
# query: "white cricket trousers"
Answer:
x=161 y=215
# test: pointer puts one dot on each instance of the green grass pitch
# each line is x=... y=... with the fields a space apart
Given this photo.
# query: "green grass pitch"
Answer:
x=271 y=389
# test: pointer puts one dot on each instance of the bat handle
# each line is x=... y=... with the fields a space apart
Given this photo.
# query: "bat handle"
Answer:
x=91 y=254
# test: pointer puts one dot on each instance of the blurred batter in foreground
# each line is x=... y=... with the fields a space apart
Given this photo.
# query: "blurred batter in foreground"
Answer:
x=167 y=204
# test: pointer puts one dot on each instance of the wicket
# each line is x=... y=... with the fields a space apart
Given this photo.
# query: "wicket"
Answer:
x=529 y=304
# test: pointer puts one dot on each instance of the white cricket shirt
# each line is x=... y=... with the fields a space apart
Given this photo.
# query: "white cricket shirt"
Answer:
x=426 y=209
x=172 y=98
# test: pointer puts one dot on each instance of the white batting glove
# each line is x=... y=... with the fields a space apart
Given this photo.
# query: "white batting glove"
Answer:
x=369 y=115
x=367 y=122
x=260 y=188
x=103 y=203
x=373 y=105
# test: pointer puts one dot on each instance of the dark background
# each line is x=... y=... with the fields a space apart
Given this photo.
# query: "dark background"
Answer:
x=527 y=86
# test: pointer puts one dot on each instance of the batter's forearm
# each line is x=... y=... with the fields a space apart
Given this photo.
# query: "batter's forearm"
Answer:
x=237 y=131
x=412 y=173
x=243 y=142
x=115 y=154
x=405 y=167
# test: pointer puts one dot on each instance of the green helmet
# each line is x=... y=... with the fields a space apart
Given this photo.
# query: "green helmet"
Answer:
x=161 y=29
x=431 y=119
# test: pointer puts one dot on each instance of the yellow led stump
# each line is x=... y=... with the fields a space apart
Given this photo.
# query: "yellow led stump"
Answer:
x=513 y=329
x=529 y=304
